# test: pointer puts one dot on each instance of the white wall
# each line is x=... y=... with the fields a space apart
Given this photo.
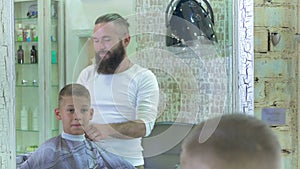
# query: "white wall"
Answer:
x=80 y=16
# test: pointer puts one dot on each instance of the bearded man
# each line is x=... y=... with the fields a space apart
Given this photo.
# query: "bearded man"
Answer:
x=124 y=95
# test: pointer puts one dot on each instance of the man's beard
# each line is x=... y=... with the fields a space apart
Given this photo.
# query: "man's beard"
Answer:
x=115 y=57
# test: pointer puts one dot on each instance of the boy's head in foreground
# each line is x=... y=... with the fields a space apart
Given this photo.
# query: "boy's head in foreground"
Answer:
x=74 y=108
x=238 y=142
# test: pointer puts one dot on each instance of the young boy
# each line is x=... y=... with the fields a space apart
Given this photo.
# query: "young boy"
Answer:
x=70 y=149
x=237 y=142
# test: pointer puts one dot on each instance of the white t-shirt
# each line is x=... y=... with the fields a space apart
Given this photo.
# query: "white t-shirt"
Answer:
x=129 y=95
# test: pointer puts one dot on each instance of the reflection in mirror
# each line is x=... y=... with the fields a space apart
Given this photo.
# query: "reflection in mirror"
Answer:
x=188 y=20
x=151 y=38
x=196 y=86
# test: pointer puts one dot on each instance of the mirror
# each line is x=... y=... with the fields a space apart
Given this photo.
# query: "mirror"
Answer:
x=188 y=20
x=148 y=42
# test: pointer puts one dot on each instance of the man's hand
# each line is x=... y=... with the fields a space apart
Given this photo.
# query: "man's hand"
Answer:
x=97 y=132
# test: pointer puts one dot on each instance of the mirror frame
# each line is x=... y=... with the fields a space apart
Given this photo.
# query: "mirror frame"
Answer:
x=243 y=63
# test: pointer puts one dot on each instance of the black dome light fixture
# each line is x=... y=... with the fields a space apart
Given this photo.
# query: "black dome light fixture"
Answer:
x=187 y=20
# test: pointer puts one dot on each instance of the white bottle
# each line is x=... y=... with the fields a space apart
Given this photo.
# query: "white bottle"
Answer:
x=24 y=119
x=35 y=119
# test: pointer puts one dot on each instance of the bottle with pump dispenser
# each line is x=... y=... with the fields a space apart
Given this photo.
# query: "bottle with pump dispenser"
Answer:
x=35 y=119
x=24 y=119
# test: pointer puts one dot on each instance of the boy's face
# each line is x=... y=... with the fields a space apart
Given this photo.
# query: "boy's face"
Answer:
x=75 y=113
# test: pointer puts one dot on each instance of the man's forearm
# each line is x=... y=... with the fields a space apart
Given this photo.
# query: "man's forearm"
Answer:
x=128 y=130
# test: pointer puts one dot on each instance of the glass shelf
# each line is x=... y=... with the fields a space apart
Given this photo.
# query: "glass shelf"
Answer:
x=26 y=20
x=54 y=85
x=17 y=1
x=24 y=64
x=27 y=85
x=32 y=131
x=25 y=42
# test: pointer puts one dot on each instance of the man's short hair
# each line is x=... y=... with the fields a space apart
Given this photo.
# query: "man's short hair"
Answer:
x=116 y=19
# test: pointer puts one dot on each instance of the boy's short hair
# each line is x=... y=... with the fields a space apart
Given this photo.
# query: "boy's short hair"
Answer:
x=239 y=141
x=73 y=89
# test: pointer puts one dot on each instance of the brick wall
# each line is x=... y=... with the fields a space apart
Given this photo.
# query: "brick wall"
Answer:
x=276 y=68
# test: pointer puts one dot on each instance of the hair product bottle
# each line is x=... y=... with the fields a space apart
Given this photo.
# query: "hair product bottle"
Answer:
x=33 y=55
x=20 y=54
x=34 y=36
x=53 y=57
x=19 y=33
